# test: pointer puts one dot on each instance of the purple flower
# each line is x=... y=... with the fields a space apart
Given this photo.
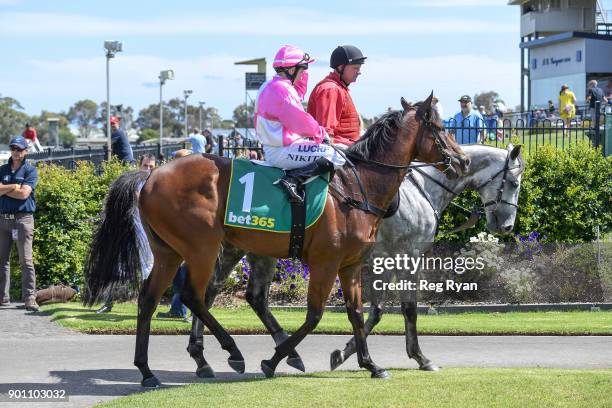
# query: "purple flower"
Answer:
x=292 y=286
x=339 y=292
x=293 y=276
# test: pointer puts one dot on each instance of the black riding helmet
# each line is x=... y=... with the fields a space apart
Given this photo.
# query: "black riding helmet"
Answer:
x=346 y=54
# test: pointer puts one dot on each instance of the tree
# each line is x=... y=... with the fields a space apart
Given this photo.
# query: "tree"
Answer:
x=12 y=121
x=84 y=114
x=148 y=118
x=243 y=115
x=41 y=123
x=66 y=137
x=487 y=99
x=126 y=113
x=148 y=134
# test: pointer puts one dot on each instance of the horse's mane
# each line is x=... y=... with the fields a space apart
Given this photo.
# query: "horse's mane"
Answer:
x=379 y=137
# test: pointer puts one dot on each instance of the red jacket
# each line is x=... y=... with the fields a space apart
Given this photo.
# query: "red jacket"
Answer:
x=332 y=106
x=30 y=134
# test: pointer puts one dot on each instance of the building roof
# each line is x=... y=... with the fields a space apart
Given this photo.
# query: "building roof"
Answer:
x=557 y=38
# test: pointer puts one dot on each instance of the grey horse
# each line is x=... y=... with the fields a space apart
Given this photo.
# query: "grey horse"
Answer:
x=494 y=173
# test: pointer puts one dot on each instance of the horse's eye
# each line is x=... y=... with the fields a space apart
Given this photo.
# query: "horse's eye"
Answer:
x=514 y=184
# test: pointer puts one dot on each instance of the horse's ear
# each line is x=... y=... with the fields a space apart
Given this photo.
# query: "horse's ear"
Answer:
x=425 y=106
x=405 y=105
x=515 y=152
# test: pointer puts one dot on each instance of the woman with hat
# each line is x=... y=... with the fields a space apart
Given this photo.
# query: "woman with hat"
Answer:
x=567 y=107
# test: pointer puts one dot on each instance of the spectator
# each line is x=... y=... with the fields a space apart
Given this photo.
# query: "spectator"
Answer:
x=482 y=111
x=551 y=109
x=540 y=115
x=146 y=163
x=469 y=126
x=177 y=309
x=17 y=207
x=32 y=138
x=608 y=90
x=209 y=141
x=120 y=144
x=594 y=95
x=330 y=102
x=198 y=142
x=567 y=107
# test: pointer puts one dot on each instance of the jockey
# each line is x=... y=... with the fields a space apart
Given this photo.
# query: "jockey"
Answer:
x=291 y=138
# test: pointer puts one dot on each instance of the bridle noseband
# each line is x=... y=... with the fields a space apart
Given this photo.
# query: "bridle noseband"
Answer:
x=477 y=210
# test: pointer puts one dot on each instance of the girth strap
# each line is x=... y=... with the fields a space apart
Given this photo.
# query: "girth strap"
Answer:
x=298 y=225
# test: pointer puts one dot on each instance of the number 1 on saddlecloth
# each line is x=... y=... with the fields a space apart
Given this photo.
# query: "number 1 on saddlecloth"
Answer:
x=248 y=180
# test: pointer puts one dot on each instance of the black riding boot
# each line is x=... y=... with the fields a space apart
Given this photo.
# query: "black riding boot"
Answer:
x=293 y=177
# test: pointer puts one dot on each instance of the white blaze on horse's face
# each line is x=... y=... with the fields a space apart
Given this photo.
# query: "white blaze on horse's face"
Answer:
x=500 y=196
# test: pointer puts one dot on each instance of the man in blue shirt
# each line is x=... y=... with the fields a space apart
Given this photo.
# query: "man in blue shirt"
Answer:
x=468 y=125
x=198 y=142
x=120 y=143
x=17 y=205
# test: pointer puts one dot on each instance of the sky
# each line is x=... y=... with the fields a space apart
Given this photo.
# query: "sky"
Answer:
x=52 y=51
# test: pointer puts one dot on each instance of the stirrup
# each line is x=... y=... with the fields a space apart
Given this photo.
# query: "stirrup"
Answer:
x=291 y=190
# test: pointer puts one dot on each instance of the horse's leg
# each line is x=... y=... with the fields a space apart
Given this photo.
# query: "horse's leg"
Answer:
x=374 y=316
x=227 y=259
x=409 y=310
x=165 y=265
x=258 y=288
x=199 y=267
x=350 y=279
x=319 y=286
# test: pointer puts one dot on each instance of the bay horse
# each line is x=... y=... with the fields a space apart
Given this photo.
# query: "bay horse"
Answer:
x=182 y=206
x=424 y=194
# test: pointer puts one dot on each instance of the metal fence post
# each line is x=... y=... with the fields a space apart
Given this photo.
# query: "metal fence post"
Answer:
x=220 y=146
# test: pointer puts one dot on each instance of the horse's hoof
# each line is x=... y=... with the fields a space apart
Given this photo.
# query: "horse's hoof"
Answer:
x=429 y=367
x=336 y=359
x=381 y=374
x=205 y=371
x=266 y=367
x=151 y=382
x=237 y=365
x=297 y=363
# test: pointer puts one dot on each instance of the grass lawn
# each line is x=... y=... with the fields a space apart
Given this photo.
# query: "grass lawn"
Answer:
x=531 y=141
x=454 y=387
x=242 y=320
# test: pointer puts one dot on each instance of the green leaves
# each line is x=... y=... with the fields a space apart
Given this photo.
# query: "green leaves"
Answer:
x=69 y=203
x=565 y=194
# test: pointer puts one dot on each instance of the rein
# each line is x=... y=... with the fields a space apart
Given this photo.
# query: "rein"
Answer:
x=475 y=212
x=365 y=204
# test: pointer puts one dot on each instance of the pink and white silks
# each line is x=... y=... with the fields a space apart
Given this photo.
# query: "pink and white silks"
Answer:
x=290 y=136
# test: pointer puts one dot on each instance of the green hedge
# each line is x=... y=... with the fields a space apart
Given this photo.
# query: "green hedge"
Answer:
x=565 y=195
x=68 y=206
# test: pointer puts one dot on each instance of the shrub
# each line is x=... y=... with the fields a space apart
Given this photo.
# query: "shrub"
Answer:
x=565 y=194
x=69 y=203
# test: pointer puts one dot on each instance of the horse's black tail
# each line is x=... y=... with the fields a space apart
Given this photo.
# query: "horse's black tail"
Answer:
x=113 y=261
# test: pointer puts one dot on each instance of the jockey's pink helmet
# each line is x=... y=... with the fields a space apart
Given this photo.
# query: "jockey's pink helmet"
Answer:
x=290 y=56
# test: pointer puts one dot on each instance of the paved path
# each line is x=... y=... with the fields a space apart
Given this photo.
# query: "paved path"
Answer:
x=37 y=354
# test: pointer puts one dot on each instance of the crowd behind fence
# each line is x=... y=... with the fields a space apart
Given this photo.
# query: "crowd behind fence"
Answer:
x=532 y=133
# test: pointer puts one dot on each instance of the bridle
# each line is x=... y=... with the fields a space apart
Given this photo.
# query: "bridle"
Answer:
x=426 y=123
x=477 y=210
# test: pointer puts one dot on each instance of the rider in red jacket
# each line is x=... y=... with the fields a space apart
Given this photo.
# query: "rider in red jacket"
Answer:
x=330 y=102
